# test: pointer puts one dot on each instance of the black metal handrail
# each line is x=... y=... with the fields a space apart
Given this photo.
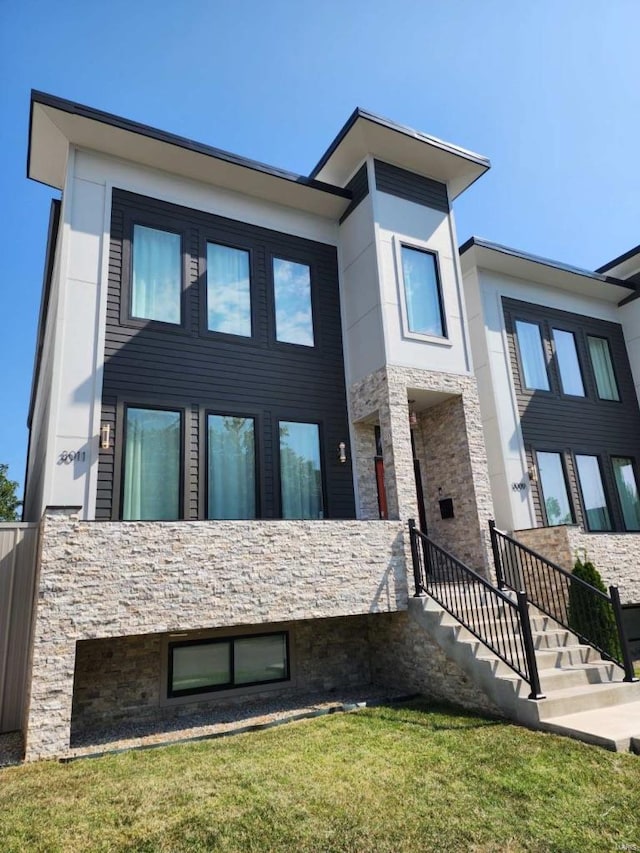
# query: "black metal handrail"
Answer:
x=500 y=623
x=592 y=615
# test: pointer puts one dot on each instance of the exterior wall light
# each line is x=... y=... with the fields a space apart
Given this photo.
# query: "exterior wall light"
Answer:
x=105 y=436
x=413 y=418
x=342 y=452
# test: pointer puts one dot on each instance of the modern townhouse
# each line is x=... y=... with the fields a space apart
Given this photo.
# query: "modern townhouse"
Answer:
x=247 y=383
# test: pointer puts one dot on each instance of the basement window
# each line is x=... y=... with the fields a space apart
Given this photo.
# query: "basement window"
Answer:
x=205 y=666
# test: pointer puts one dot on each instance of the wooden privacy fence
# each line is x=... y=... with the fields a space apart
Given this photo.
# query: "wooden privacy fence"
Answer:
x=18 y=549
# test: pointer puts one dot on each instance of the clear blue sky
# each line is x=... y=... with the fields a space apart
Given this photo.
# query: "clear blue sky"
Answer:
x=549 y=90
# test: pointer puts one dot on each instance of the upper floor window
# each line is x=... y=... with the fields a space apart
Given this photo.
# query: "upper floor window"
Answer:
x=292 y=295
x=624 y=475
x=152 y=469
x=532 y=358
x=568 y=364
x=156 y=289
x=593 y=495
x=554 y=488
x=422 y=292
x=228 y=290
x=300 y=470
x=602 y=363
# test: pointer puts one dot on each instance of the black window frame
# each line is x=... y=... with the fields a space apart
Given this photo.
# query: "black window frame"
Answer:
x=604 y=400
x=408 y=333
x=230 y=685
x=210 y=236
x=634 y=466
x=553 y=327
x=605 y=488
x=278 y=418
x=567 y=483
x=203 y=426
x=122 y=408
x=550 y=392
x=171 y=225
x=303 y=260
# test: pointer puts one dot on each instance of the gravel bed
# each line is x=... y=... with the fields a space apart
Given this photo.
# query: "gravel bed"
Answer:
x=214 y=722
x=11 y=749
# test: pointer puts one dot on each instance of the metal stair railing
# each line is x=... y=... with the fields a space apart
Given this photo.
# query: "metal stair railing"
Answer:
x=592 y=615
x=495 y=619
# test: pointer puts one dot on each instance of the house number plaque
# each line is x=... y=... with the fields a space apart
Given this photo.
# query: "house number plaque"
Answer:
x=68 y=456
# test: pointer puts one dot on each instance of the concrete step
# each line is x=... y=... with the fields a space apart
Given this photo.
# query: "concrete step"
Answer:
x=615 y=728
x=592 y=697
x=553 y=680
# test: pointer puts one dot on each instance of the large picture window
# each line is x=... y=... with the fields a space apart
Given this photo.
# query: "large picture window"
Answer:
x=625 y=477
x=156 y=285
x=203 y=666
x=231 y=470
x=153 y=442
x=532 y=358
x=593 y=495
x=228 y=290
x=602 y=363
x=292 y=295
x=568 y=364
x=554 y=488
x=300 y=470
x=422 y=292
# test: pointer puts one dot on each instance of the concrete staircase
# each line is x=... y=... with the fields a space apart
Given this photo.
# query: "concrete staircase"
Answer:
x=585 y=696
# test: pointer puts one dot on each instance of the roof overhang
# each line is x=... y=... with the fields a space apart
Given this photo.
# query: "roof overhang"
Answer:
x=56 y=123
x=510 y=262
x=625 y=265
x=367 y=134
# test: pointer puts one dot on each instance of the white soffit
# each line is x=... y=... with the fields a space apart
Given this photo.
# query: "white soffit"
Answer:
x=53 y=129
x=366 y=134
x=542 y=271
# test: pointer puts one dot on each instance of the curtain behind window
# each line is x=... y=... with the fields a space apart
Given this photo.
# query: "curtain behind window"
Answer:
x=532 y=355
x=593 y=497
x=156 y=287
x=300 y=473
x=603 y=369
x=232 y=474
x=152 y=465
x=228 y=290
x=627 y=491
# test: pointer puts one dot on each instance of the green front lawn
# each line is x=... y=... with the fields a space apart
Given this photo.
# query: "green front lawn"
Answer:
x=385 y=779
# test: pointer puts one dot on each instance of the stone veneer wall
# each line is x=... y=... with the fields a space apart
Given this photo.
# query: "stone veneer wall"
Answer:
x=615 y=555
x=451 y=448
x=404 y=657
x=364 y=465
x=124 y=678
x=113 y=579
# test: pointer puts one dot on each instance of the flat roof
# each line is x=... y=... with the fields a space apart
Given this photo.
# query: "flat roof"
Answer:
x=503 y=259
x=621 y=259
x=367 y=133
x=56 y=122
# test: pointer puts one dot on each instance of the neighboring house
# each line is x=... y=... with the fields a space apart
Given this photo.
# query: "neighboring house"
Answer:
x=247 y=382
x=556 y=352
x=237 y=367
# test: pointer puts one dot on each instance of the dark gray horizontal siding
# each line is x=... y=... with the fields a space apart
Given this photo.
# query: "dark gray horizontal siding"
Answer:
x=358 y=186
x=570 y=425
x=192 y=368
x=411 y=187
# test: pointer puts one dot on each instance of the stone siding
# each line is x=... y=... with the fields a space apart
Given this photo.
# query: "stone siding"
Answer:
x=124 y=678
x=114 y=579
x=404 y=657
x=615 y=555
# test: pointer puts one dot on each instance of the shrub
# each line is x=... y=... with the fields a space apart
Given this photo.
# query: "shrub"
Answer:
x=591 y=616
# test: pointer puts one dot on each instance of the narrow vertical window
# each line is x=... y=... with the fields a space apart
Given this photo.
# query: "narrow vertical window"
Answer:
x=568 y=364
x=231 y=467
x=156 y=286
x=292 y=294
x=627 y=491
x=532 y=358
x=300 y=472
x=228 y=290
x=593 y=497
x=422 y=292
x=602 y=363
x=554 y=489
x=152 y=465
